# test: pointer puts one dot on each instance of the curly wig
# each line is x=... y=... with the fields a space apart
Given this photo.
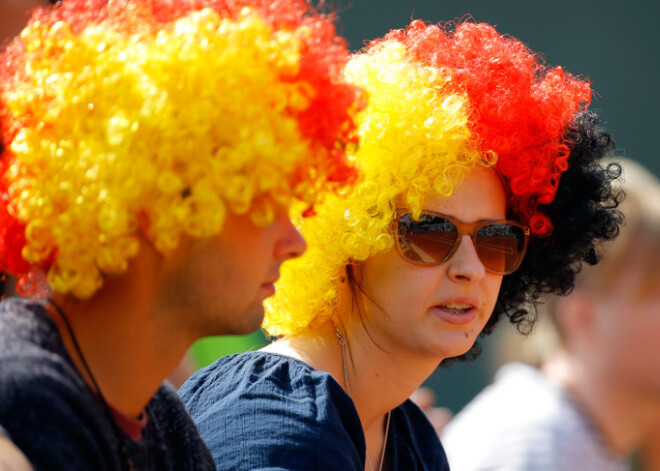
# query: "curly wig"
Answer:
x=444 y=101
x=161 y=116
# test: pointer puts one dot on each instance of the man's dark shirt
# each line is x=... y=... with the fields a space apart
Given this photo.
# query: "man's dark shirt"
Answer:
x=57 y=420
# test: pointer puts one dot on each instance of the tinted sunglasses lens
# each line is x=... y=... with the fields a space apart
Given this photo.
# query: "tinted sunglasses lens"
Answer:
x=500 y=246
x=427 y=241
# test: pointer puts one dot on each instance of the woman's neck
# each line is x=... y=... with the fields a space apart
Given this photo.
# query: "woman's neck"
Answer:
x=377 y=381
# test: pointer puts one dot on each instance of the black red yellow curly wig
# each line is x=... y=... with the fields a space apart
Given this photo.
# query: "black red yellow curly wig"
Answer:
x=445 y=100
x=161 y=116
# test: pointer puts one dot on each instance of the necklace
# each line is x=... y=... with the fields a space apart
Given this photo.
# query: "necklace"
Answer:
x=342 y=343
x=115 y=428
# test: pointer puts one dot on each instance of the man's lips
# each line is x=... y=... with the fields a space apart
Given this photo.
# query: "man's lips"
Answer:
x=267 y=290
x=268 y=287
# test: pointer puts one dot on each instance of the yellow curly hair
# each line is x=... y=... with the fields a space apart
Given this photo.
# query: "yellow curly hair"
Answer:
x=162 y=115
x=414 y=143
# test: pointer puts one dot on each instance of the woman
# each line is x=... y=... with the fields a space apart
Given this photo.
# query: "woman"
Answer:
x=472 y=153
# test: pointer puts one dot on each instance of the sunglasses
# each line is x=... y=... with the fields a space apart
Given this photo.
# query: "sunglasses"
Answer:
x=433 y=239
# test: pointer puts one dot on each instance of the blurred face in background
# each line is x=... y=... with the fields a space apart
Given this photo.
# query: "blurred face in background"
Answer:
x=627 y=320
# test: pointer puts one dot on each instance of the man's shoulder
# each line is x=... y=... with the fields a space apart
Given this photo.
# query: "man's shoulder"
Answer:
x=49 y=413
x=32 y=356
x=20 y=318
x=45 y=403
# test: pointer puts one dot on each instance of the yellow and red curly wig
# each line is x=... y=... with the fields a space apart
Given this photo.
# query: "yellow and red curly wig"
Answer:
x=443 y=101
x=161 y=116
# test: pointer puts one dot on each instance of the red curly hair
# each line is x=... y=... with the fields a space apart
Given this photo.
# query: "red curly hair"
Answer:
x=527 y=134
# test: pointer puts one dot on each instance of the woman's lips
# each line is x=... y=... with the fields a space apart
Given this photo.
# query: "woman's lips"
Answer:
x=457 y=308
x=456 y=312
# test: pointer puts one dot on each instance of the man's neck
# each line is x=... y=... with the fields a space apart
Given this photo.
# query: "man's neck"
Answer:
x=127 y=344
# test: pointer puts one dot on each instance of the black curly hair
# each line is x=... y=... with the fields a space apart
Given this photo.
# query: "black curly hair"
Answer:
x=584 y=214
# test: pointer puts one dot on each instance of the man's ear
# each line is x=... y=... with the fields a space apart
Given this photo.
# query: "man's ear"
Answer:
x=576 y=317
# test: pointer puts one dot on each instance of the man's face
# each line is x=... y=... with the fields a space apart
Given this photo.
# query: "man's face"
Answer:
x=218 y=285
x=629 y=326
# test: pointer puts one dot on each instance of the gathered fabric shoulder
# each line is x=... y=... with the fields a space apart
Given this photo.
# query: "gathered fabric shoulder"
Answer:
x=261 y=410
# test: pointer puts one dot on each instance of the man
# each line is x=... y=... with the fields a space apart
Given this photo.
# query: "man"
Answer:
x=152 y=150
x=597 y=395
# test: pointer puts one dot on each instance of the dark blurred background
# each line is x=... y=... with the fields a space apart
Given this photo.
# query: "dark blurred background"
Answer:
x=613 y=43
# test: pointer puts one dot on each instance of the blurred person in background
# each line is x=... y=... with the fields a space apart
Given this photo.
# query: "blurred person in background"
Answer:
x=469 y=147
x=425 y=399
x=151 y=152
x=596 y=397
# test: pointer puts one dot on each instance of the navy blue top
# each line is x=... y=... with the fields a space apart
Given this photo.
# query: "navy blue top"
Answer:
x=57 y=420
x=264 y=411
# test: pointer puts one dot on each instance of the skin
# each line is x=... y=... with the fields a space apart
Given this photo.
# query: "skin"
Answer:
x=220 y=283
x=11 y=458
x=416 y=319
x=164 y=303
x=650 y=451
x=15 y=14
x=406 y=332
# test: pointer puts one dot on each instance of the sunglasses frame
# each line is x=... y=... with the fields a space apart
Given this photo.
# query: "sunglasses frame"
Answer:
x=463 y=228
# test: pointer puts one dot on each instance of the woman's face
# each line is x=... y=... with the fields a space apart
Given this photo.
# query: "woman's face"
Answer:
x=437 y=311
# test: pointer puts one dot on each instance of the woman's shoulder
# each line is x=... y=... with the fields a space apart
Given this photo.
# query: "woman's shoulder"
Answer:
x=262 y=382
x=263 y=409
x=252 y=372
x=416 y=442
